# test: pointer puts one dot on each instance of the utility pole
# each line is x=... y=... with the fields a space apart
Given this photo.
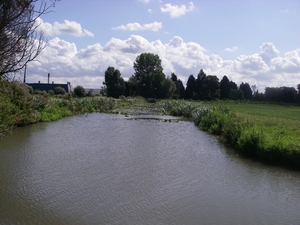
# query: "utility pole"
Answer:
x=25 y=73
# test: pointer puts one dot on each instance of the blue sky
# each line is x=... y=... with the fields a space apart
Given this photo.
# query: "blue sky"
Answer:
x=254 y=41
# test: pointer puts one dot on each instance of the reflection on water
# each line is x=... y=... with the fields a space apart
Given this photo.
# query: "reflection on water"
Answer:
x=106 y=169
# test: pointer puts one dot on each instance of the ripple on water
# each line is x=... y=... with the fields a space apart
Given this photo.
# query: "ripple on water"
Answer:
x=106 y=169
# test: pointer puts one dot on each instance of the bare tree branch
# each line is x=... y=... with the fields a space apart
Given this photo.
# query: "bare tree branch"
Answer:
x=20 y=40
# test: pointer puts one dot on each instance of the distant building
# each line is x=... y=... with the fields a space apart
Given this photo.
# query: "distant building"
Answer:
x=47 y=87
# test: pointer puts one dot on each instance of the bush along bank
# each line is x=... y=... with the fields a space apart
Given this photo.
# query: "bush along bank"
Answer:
x=18 y=107
x=271 y=145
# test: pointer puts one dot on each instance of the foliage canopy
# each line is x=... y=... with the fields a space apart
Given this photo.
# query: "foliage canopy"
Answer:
x=148 y=77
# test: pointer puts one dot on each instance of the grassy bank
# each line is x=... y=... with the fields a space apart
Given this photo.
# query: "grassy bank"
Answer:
x=269 y=133
x=18 y=107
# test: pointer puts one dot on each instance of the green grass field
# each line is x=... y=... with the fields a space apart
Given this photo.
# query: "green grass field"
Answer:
x=281 y=119
x=277 y=125
x=267 y=132
x=265 y=111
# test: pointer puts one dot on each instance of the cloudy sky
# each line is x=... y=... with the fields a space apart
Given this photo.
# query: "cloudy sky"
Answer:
x=254 y=41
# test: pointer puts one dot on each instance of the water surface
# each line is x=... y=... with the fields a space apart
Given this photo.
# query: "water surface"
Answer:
x=112 y=169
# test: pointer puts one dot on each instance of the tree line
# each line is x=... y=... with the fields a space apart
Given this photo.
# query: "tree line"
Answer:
x=149 y=81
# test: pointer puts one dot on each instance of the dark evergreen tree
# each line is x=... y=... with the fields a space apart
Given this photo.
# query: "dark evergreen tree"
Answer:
x=179 y=93
x=233 y=85
x=190 y=87
x=180 y=88
x=245 y=88
x=200 y=86
x=173 y=77
x=225 y=88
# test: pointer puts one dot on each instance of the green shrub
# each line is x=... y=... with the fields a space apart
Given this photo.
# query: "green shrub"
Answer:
x=79 y=91
x=250 y=142
x=215 y=120
x=232 y=130
x=59 y=91
x=199 y=113
x=51 y=92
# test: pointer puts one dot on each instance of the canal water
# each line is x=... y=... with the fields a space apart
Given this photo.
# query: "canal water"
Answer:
x=112 y=169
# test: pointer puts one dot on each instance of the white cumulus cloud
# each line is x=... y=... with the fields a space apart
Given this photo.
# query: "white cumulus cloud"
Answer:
x=86 y=66
x=145 y=1
x=268 y=51
x=67 y=27
x=250 y=64
x=290 y=63
x=232 y=49
x=155 y=26
x=176 y=10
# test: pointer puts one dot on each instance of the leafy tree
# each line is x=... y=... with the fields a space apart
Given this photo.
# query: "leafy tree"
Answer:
x=259 y=96
x=236 y=94
x=114 y=83
x=210 y=88
x=59 y=91
x=21 y=42
x=148 y=78
x=281 y=94
x=168 y=88
x=288 y=94
x=79 y=91
x=245 y=88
